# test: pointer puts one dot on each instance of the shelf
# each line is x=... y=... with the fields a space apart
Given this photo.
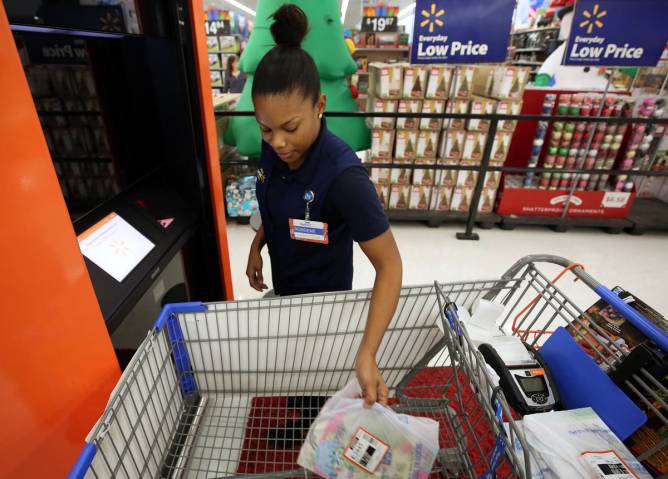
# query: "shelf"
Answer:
x=217 y=69
x=381 y=49
x=648 y=214
x=522 y=50
x=535 y=30
x=435 y=218
x=526 y=63
x=557 y=223
x=359 y=72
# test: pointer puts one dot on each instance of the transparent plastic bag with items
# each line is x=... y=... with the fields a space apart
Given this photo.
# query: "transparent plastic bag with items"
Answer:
x=347 y=441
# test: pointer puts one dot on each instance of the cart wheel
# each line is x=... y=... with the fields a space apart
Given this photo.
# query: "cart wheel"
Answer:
x=485 y=226
x=506 y=226
x=613 y=231
x=559 y=228
x=635 y=231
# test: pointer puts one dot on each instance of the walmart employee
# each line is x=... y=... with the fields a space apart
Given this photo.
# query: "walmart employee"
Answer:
x=315 y=197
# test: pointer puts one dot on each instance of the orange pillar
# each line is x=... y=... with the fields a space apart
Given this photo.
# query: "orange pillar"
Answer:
x=57 y=364
x=211 y=141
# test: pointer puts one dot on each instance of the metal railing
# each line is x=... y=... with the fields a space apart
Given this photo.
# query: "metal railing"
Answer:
x=484 y=166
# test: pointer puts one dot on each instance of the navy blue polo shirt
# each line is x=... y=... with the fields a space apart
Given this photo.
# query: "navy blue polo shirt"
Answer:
x=345 y=199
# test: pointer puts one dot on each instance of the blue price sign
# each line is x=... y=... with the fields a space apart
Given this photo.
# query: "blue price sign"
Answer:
x=617 y=33
x=461 y=31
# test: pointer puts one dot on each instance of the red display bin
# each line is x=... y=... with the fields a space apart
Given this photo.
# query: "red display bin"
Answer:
x=537 y=202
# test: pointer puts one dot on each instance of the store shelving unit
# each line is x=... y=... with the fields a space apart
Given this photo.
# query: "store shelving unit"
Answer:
x=532 y=46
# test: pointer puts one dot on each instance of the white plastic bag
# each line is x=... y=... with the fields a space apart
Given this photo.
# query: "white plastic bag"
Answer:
x=347 y=441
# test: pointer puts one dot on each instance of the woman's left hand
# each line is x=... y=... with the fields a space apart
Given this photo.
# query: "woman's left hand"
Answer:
x=373 y=386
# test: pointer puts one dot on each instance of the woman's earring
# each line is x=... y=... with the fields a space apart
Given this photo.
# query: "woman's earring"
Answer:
x=320 y=116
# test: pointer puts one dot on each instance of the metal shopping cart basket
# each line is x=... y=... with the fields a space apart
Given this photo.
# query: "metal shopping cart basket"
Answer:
x=229 y=389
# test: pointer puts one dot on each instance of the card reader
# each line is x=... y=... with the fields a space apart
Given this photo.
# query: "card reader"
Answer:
x=524 y=377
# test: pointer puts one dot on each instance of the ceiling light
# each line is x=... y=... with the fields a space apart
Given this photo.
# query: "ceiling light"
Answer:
x=344 y=9
x=241 y=6
x=406 y=10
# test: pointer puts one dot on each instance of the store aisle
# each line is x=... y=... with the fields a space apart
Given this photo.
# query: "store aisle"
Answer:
x=638 y=263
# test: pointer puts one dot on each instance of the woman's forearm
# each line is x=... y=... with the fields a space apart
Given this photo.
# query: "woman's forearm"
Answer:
x=384 y=297
x=259 y=241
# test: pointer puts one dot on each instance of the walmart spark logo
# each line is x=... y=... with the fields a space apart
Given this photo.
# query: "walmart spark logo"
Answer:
x=593 y=18
x=431 y=18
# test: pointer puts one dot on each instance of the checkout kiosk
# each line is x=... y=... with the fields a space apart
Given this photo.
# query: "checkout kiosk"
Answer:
x=115 y=89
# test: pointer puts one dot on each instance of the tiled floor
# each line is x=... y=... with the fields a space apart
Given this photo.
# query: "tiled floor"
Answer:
x=638 y=263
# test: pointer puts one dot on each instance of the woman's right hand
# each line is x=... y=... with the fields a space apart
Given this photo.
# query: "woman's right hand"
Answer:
x=254 y=269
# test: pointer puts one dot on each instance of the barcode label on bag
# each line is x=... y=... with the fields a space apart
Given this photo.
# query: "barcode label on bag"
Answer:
x=366 y=451
x=608 y=465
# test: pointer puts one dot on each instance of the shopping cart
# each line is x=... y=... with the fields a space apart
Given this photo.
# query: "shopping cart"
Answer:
x=230 y=389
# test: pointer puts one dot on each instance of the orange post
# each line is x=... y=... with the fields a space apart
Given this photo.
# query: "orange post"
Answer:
x=57 y=364
x=210 y=141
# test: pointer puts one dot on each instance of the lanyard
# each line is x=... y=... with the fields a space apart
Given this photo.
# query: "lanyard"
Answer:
x=308 y=197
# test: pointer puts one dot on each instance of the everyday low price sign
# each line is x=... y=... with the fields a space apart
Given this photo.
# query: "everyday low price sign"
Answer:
x=617 y=33
x=461 y=31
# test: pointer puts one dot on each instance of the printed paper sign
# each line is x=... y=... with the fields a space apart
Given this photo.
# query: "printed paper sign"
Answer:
x=115 y=246
x=453 y=31
x=615 y=199
x=617 y=33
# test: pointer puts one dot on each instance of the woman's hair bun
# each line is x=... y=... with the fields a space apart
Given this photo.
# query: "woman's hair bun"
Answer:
x=290 y=25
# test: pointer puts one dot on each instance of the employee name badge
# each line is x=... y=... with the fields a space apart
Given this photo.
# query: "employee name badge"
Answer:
x=366 y=451
x=307 y=230
x=608 y=465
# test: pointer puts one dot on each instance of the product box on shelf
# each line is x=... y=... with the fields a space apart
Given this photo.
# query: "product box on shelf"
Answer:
x=487 y=197
x=214 y=60
x=388 y=39
x=381 y=143
x=424 y=176
x=492 y=180
x=432 y=106
x=508 y=107
x=406 y=144
x=420 y=196
x=480 y=106
x=399 y=197
x=440 y=198
x=474 y=146
x=467 y=178
x=461 y=199
x=464 y=76
x=380 y=176
x=446 y=177
x=229 y=44
x=212 y=43
x=500 y=147
x=409 y=106
x=380 y=105
x=451 y=145
x=415 y=81
x=216 y=78
x=501 y=81
x=427 y=143
x=399 y=175
x=385 y=80
x=383 y=192
x=517 y=200
x=438 y=84
x=458 y=106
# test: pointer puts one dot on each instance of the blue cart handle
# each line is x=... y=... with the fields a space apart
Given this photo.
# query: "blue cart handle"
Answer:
x=646 y=327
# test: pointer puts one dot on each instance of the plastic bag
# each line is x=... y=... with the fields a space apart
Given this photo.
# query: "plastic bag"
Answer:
x=347 y=441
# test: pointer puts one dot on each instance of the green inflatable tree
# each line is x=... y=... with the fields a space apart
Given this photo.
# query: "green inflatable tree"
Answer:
x=325 y=43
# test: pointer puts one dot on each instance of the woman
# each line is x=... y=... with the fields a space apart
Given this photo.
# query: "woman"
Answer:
x=235 y=79
x=315 y=197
